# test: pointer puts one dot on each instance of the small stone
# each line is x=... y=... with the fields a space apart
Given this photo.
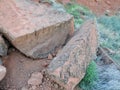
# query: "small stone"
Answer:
x=34 y=87
x=45 y=65
x=108 y=2
x=24 y=88
x=48 y=79
x=61 y=88
x=55 y=85
x=108 y=11
x=2 y=72
x=35 y=79
x=41 y=86
x=50 y=57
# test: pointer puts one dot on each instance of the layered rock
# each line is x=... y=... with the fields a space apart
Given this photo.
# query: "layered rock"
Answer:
x=69 y=66
x=34 y=29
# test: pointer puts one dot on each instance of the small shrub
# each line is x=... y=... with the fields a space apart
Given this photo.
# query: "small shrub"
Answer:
x=109 y=32
x=90 y=77
x=77 y=11
x=112 y=23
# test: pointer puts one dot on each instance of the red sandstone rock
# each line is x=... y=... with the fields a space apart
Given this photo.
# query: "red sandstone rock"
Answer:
x=34 y=29
x=69 y=67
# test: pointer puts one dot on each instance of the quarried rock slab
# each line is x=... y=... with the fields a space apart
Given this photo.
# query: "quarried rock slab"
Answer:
x=69 y=66
x=34 y=29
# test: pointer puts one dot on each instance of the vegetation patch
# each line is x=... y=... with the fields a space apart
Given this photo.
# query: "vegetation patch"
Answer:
x=88 y=82
x=109 y=34
x=79 y=12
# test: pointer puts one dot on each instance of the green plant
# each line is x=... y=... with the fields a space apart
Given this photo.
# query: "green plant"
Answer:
x=112 y=22
x=109 y=32
x=90 y=77
x=78 y=12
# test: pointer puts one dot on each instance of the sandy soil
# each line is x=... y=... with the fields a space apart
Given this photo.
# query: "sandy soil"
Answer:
x=19 y=70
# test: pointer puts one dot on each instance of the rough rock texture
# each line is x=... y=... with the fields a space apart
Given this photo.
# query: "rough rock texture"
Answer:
x=35 y=29
x=2 y=72
x=3 y=47
x=69 y=67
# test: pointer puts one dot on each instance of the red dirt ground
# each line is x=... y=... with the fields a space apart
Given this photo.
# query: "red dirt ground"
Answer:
x=19 y=70
x=99 y=7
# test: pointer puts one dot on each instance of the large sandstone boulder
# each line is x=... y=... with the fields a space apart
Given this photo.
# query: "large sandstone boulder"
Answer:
x=34 y=29
x=69 y=66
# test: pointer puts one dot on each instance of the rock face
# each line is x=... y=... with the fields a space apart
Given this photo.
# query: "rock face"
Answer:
x=3 y=47
x=34 y=29
x=2 y=72
x=69 y=66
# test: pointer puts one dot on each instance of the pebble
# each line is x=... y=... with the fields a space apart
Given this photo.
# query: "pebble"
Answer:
x=56 y=86
x=35 y=79
x=50 y=57
x=24 y=88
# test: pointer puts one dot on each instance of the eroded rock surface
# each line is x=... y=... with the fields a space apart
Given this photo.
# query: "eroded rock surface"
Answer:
x=69 y=66
x=34 y=29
